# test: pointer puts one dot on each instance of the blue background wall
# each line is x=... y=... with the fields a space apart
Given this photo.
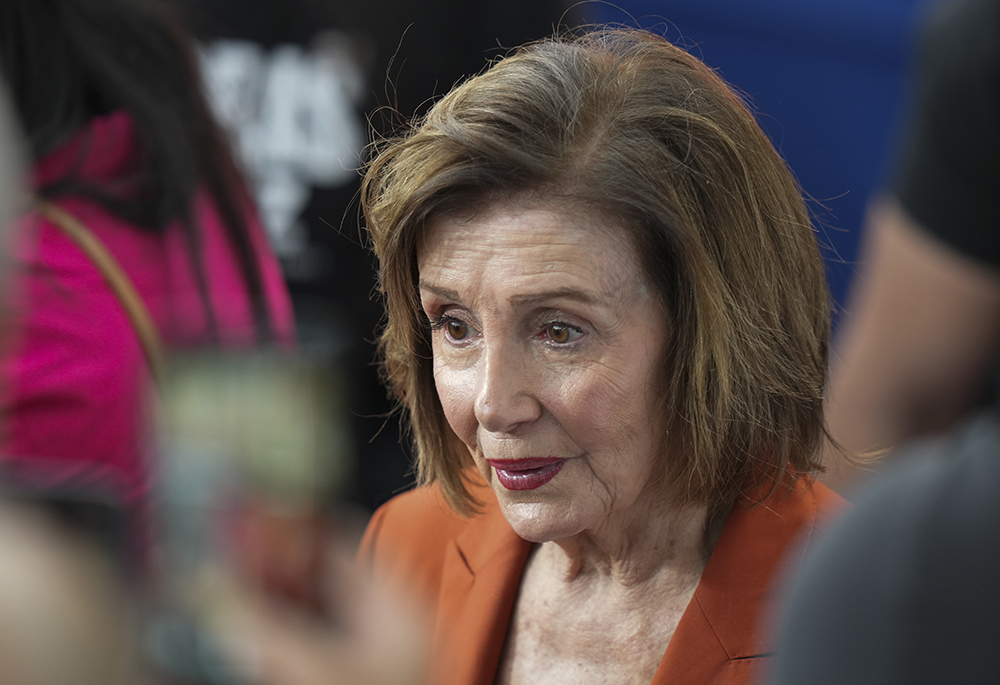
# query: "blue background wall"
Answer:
x=828 y=79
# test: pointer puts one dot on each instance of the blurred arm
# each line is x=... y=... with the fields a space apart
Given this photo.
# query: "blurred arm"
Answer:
x=919 y=345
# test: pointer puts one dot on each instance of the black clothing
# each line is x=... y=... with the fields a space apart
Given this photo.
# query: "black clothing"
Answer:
x=906 y=587
x=949 y=170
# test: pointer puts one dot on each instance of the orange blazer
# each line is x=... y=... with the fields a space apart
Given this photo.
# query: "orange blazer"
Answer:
x=469 y=570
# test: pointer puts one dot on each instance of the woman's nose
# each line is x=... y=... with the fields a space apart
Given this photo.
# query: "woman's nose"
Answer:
x=504 y=398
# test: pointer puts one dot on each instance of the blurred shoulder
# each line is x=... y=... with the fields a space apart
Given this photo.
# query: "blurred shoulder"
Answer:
x=903 y=588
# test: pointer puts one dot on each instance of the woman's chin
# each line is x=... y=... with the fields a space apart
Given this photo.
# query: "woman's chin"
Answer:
x=538 y=521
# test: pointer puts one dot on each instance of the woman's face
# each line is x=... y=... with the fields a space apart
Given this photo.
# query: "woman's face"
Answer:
x=546 y=341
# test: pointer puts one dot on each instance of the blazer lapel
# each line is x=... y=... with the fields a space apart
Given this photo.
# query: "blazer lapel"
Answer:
x=479 y=583
x=720 y=637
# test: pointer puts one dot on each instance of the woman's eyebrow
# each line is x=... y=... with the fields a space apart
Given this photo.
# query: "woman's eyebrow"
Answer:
x=444 y=293
x=524 y=300
x=582 y=296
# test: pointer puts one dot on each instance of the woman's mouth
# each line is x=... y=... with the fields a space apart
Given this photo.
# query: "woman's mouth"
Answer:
x=526 y=474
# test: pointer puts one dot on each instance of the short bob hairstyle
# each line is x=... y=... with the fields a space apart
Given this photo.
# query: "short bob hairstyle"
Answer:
x=630 y=126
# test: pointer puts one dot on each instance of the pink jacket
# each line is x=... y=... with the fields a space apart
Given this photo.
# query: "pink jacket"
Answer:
x=74 y=379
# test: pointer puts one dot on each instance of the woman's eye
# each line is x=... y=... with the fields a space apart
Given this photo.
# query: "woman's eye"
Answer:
x=456 y=330
x=561 y=334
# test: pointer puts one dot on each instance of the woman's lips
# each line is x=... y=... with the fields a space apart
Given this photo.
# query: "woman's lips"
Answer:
x=526 y=474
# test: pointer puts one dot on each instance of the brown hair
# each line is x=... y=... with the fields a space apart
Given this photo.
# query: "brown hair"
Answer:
x=639 y=130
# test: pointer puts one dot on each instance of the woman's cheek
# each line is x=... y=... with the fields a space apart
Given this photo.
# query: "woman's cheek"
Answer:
x=458 y=399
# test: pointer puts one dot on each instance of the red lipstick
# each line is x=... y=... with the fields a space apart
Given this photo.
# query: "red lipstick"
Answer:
x=526 y=474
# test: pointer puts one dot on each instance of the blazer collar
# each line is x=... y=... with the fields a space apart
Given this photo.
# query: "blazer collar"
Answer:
x=726 y=618
x=480 y=580
x=485 y=563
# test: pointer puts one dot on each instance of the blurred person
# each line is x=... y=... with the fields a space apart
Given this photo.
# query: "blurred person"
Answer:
x=919 y=351
x=62 y=619
x=607 y=323
x=121 y=141
x=904 y=588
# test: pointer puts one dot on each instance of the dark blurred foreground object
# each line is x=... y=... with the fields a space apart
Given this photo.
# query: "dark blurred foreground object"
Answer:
x=905 y=588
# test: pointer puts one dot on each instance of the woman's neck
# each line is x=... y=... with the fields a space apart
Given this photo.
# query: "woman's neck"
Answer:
x=649 y=543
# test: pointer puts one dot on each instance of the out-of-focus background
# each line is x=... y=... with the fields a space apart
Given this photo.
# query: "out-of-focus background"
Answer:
x=827 y=79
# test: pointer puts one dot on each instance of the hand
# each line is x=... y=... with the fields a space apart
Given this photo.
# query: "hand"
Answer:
x=375 y=636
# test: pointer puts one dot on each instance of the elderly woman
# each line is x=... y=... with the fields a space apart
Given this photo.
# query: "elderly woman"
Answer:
x=608 y=321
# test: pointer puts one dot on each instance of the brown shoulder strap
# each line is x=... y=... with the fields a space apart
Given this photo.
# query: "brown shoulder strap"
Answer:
x=116 y=279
